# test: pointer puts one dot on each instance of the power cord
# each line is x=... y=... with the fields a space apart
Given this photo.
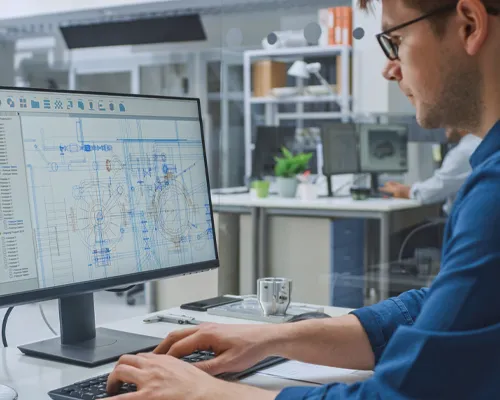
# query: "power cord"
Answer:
x=352 y=183
x=4 y=326
x=411 y=234
x=46 y=320
x=9 y=311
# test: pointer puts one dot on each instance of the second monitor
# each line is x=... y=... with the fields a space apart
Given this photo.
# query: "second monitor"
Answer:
x=365 y=148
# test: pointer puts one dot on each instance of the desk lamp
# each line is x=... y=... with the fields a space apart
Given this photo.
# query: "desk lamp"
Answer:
x=300 y=69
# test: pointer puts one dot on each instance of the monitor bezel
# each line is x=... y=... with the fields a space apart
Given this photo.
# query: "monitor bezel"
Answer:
x=363 y=129
x=14 y=299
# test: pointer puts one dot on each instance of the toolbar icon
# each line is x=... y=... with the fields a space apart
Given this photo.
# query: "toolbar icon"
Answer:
x=23 y=103
x=58 y=105
x=91 y=105
x=35 y=104
x=70 y=104
x=111 y=106
x=101 y=106
x=81 y=105
x=122 y=107
x=10 y=102
x=46 y=104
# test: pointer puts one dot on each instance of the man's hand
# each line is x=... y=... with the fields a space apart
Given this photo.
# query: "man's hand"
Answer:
x=237 y=347
x=397 y=190
x=161 y=377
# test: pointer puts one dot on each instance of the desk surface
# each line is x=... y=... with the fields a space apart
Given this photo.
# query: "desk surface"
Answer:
x=336 y=203
x=33 y=378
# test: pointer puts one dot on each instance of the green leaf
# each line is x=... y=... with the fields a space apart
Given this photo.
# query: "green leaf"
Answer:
x=291 y=165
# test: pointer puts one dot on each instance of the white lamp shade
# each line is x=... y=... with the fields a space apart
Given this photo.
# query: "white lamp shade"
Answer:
x=313 y=68
x=299 y=70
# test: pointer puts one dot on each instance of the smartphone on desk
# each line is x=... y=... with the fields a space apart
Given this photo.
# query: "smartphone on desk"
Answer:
x=204 y=305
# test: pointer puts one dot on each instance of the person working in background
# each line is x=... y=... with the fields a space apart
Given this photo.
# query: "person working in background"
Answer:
x=435 y=343
x=448 y=179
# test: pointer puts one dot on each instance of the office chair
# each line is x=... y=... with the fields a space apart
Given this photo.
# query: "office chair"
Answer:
x=132 y=294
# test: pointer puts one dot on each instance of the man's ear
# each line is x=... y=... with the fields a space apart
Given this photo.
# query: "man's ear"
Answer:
x=473 y=24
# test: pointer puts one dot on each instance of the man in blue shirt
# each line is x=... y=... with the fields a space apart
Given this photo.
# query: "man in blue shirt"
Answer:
x=436 y=343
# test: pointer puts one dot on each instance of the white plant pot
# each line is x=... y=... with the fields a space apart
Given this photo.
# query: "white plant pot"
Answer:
x=287 y=187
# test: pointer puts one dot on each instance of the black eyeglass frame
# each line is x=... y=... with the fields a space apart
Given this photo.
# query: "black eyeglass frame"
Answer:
x=385 y=36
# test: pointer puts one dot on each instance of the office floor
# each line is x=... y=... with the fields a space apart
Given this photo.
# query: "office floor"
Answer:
x=26 y=324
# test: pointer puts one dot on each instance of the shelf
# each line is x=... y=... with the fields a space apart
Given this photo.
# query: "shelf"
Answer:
x=231 y=96
x=298 y=51
x=295 y=99
x=313 y=115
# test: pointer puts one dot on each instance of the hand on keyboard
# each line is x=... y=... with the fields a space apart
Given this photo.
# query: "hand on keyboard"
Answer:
x=159 y=377
x=238 y=347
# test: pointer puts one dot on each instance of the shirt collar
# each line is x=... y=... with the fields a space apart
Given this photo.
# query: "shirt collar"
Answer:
x=489 y=146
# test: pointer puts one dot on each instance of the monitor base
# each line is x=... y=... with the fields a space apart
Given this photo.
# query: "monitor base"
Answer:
x=7 y=393
x=107 y=347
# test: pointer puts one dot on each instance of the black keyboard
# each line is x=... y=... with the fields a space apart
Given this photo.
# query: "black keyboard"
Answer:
x=95 y=388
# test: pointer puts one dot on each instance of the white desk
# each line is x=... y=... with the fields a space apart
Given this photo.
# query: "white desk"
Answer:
x=34 y=378
x=392 y=214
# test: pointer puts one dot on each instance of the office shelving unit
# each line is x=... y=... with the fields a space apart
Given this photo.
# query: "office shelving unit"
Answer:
x=272 y=115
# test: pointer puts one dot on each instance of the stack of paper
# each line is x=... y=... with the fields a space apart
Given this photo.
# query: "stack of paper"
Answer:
x=315 y=374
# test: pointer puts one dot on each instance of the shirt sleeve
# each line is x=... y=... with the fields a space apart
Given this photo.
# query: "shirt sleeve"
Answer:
x=381 y=320
x=446 y=180
x=451 y=351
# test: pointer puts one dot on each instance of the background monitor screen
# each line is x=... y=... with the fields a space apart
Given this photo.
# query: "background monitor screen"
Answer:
x=383 y=148
x=340 y=149
x=94 y=188
x=268 y=144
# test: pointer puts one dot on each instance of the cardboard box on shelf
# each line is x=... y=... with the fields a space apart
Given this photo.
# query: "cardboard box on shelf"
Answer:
x=267 y=75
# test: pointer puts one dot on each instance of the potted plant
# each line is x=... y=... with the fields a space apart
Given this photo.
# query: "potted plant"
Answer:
x=286 y=170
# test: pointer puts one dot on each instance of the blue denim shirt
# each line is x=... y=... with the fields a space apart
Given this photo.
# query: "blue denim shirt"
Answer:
x=442 y=342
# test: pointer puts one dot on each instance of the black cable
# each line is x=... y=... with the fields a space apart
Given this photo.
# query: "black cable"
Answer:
x=353 y=182
x=4 y=326
x=121 y=290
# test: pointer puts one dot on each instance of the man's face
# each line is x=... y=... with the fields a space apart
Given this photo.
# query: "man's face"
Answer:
x=433 y=71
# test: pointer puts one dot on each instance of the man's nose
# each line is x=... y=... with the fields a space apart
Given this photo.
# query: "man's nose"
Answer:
x=392 y=71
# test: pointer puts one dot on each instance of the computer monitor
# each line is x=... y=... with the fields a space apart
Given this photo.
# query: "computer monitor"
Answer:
x=268 y=144
x=383 y=149
x=339 y=142
x=98 y=191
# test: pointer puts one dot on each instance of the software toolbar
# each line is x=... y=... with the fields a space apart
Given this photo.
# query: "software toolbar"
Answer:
x=104 y=105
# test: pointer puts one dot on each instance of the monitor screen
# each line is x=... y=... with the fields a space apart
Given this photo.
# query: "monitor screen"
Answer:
x=340 y=149
x=383 y=148
x=269 y=142
x=100 y=189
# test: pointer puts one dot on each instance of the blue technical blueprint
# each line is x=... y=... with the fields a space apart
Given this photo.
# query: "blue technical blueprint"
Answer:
x=115 y=196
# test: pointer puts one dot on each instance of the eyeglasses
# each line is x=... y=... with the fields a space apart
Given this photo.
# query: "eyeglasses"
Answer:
x=391 y=48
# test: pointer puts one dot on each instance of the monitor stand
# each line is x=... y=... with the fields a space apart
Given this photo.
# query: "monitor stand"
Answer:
x=375 y=183
x=7 y=393
x=81 y=343
x=329 y=185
